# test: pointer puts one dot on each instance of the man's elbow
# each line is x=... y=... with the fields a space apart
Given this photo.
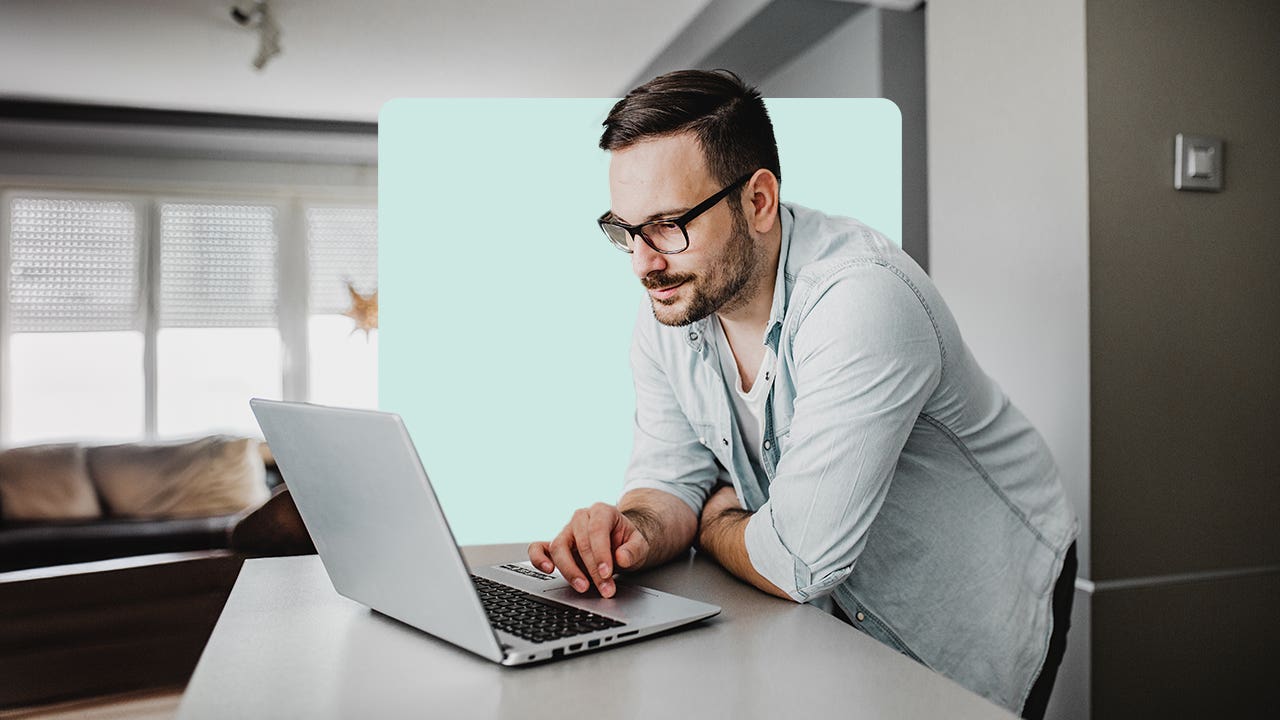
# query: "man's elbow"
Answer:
x=803 y=577
x=776 y=591
x=813 y=581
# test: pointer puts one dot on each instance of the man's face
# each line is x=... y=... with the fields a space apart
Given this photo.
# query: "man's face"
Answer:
x=664 y=178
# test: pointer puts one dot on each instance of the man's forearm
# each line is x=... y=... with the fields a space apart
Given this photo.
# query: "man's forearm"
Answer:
x=723 y=536
x=665 y=521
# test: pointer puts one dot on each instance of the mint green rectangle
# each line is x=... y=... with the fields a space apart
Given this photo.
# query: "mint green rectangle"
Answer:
x=505 y=314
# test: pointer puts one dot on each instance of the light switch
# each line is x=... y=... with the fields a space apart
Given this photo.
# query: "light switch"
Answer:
x=1201 y=162
x=1197 y=162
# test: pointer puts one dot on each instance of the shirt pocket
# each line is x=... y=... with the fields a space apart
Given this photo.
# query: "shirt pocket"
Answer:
x=711 y=438
x=715 y=441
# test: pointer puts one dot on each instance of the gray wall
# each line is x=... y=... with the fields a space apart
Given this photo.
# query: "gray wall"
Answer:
x=1186 y=288
x=845 y=63
x=1138 y=326
x=1009 y=233
x=1186 y=359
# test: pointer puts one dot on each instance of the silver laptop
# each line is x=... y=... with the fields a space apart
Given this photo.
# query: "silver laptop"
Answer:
x=370 y=509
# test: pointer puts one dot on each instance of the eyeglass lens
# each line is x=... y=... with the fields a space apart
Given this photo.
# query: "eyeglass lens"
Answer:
x=662 y=236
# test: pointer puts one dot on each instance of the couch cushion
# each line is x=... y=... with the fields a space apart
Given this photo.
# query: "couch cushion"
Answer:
x=46 y=482
x=209 y=476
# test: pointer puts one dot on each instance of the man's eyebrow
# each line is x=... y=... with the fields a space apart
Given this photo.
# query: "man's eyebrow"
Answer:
x=668 y=214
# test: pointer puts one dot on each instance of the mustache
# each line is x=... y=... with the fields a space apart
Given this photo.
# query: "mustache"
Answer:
x=657 y=280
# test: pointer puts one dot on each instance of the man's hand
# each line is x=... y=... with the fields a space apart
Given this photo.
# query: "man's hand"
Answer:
x=596 y=540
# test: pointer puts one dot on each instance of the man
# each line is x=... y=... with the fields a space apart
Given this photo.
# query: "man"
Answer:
x=808 y=415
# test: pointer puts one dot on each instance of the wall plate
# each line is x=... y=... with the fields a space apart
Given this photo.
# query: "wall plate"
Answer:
x=1197 y=162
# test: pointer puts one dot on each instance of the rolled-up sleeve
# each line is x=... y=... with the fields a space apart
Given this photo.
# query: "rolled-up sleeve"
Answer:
x=665 y=452
x=867 y=357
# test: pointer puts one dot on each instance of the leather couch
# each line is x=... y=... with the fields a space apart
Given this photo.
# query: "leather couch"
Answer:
x=62 y=504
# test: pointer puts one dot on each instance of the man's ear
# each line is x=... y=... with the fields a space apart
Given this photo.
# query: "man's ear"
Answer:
x=761 y=201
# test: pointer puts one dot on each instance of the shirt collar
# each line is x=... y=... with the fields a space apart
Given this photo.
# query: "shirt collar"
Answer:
x=779 y=311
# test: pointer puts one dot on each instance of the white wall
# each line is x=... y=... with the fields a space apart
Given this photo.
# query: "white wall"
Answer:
x=1009 y=228
x=1009 y=213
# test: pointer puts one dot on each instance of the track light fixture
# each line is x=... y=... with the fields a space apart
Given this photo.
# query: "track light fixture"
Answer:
x=258 y=17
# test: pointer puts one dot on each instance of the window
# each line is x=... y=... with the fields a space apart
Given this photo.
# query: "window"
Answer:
x=140 y=316
x=343 y=245
x=75 y=344
x=217 y=344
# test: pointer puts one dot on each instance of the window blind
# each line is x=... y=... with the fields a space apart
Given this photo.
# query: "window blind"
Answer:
x=217 y=265
x=73 y=265
x=343 y=248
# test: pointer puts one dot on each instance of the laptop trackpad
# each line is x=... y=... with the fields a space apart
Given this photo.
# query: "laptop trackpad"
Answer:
x=555 y=587
x=627 y=605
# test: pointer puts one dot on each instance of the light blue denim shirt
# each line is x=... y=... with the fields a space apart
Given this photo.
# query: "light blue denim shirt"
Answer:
x=896 y=475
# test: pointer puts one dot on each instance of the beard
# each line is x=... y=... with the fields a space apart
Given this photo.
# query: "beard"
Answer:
x=728 y=284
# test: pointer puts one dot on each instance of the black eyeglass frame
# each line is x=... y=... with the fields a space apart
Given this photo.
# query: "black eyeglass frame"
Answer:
x=681 y=222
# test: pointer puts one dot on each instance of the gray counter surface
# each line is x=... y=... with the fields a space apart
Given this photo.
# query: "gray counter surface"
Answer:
x=287 y=645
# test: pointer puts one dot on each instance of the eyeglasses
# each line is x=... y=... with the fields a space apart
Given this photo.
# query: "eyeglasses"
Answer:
x=667 y=236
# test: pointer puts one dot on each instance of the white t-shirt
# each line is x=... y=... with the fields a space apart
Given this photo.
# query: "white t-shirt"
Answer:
x=747 y=406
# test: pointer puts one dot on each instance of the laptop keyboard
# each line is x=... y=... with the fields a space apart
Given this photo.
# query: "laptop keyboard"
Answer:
x=533 y=618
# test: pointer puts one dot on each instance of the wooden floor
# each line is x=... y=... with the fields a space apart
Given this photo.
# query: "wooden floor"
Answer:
x=150 y=705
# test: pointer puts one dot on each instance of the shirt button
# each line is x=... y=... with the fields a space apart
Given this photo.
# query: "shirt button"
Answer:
x=724 y=440
x=702 y=440
x=693 y=337
x=860 y=617
x=767 y=444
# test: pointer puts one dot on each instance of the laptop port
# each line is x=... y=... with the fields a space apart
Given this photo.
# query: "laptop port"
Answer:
x=575 y=647
x=628 y=634
x=593 y=643
x=558 y=652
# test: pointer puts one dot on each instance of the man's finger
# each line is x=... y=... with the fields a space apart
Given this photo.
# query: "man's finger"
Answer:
x=590 y=557
x=540 y=556
x=562 y=556
x=599 y=532
x=582 y=544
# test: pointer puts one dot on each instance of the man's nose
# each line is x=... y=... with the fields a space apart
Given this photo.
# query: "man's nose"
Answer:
x=645 y=259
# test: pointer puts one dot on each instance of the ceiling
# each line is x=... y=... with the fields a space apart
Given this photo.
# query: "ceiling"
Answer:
x=341 y=60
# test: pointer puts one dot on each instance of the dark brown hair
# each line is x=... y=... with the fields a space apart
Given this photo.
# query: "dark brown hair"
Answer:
x=725 y=114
